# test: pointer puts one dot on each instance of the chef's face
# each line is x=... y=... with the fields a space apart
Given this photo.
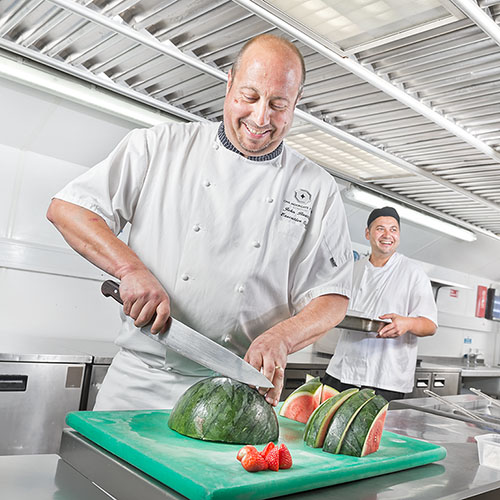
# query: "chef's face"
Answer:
x=261 y=97
x=383 y=234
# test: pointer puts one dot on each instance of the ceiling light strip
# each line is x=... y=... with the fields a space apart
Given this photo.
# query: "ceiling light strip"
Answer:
x=97 y=80
x=374 y=201
x=472 y=10
x=369 y=76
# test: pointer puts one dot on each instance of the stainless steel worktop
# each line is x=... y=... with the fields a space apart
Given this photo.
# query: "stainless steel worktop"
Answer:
x=56 y=350
x=458 y=476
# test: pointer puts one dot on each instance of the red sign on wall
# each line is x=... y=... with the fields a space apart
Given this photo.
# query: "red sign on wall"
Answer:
x=481 y=301
x=453 y=292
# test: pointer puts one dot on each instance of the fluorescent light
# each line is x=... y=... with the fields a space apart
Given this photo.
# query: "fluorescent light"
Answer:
x=374 y=201
x=80 y=93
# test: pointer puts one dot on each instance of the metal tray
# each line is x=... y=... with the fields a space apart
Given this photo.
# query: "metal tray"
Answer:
x=361 y=324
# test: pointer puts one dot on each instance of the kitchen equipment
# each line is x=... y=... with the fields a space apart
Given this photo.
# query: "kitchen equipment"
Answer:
x=355 y=320
x=195 y=346
x=488 y=449
x=444 y=381
x=208 y=470
x=490 y=400
x=455 y=406
x=34 y=399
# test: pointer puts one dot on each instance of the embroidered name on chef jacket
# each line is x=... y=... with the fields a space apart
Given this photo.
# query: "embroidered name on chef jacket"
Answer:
x=297 y=209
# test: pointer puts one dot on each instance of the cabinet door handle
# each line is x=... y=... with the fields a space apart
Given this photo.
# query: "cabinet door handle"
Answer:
x=13 y=383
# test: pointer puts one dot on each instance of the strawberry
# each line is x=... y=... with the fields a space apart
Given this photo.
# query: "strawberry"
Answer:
x=285 y=458
x=267 y=449
x=245 y=450
x=253 y=461
x=273 y=459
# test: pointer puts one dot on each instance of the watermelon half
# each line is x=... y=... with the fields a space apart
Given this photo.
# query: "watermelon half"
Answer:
x=364 y=434
x=317 y=425
x=222 y=409
x=343 y=418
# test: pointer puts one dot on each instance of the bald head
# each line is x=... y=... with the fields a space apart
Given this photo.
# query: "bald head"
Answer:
x=277 y=44
x=263 y=88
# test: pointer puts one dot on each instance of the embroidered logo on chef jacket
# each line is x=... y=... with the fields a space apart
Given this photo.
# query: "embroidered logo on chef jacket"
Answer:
x=297 y=209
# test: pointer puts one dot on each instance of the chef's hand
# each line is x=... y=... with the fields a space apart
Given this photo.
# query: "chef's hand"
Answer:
x=143 y=298
x=270 y=354
x=398 y=326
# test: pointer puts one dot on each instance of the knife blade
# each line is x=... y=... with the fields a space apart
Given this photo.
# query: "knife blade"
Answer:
x=195 y=346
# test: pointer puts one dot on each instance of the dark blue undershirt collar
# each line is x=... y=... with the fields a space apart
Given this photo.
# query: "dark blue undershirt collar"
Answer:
x=228 y=145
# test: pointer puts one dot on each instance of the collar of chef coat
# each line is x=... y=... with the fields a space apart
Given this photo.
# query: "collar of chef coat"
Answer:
x=224 y=140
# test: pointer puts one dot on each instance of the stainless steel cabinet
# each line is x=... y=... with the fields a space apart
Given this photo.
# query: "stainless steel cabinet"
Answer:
x=34 y=400
x=442 y=382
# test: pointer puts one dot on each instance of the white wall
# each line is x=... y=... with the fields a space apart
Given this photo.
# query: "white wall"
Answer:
x=46 y=289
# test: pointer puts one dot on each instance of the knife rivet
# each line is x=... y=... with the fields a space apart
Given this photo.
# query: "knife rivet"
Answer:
x=184 y=277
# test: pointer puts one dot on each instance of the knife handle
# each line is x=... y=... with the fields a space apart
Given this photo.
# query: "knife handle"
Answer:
x=111 y=288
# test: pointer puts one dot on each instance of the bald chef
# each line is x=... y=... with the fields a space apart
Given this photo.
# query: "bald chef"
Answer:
x=232 y=232
x=389 y=286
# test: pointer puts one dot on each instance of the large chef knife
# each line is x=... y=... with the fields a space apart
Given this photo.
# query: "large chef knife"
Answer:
x=195 y=346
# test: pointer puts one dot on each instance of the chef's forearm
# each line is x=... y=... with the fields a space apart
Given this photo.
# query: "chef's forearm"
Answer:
x=319 y=316
x=422 y=327
x=89 y=235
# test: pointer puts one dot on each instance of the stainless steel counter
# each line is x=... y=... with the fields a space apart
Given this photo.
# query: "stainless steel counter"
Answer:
x=458 y=476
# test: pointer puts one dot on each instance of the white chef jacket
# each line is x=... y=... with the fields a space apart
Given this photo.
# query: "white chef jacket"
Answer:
x=400 y=287
x=239 y=245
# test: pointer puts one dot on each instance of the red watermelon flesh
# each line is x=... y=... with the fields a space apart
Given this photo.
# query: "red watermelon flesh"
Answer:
x=298 y=407
x=374 y=436
x=324 y=392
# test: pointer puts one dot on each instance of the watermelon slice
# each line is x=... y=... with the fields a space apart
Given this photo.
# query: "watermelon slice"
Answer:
x=364 y=434
x=343 y=418
x=305 y=399
x=317 y=425
x=301 y=403
x=324 y=392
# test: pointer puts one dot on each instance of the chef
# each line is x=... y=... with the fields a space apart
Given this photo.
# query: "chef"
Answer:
x=231 y=231
x=389 y=286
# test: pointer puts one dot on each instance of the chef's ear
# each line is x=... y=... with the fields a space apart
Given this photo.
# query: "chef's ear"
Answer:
x=367 y=233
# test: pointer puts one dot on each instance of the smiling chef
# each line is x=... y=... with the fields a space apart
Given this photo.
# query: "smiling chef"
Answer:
x=389 y=286
x=232 y=232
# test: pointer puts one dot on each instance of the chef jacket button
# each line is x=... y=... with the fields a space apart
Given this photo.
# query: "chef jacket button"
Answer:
x=168 y=368
x=216 y=146
x=269 y=199
x=196 y=228
x=206 y=183
x=241 y=289
x=227 y=338
x=184 y=277
x=255 y=244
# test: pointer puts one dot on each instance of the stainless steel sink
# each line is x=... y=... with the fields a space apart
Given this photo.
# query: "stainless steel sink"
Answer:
x=474 y=404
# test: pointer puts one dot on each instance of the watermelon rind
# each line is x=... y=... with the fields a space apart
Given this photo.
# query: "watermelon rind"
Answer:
x=343 y=418
x=323 y=392
x=317 y=425
x=222 y=409
x=355 y=440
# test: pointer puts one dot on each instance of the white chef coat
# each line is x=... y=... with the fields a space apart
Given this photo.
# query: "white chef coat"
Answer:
x=400 y=287
x=238 y=244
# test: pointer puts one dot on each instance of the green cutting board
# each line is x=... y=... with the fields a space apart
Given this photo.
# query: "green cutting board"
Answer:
x=205 y=470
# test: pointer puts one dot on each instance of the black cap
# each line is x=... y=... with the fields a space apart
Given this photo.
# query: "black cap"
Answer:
x=382 y=212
